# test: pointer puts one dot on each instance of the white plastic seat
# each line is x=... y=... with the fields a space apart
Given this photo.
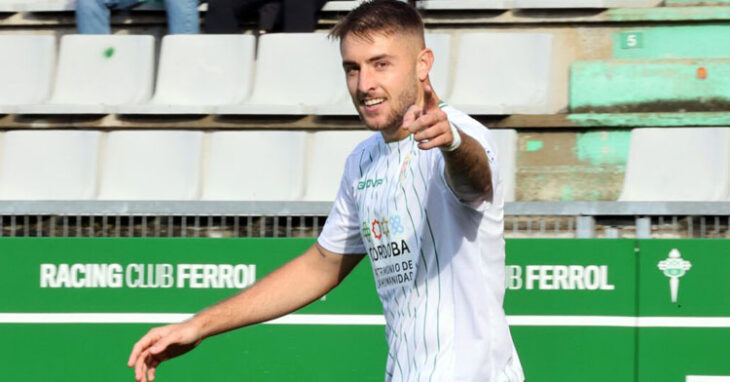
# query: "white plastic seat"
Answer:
x=507 y=73
x=506 y=142
x=26 y=70
x=152 y=165
x=255 y=165
x=46 y=5
x=49 y=165
x=198 y=72
x=341 y=5
x=312 y=75
x=464 y=4
x=678 y=164
x=327 y=153
x=585 y=3
x=440 y=43
x=96 y=72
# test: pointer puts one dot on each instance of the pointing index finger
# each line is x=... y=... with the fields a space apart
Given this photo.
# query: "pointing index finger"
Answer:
x=429 y=99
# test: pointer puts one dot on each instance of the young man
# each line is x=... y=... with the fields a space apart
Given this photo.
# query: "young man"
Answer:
x=422 y=199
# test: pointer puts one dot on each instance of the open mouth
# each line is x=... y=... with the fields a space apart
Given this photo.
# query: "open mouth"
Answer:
x=373 y=101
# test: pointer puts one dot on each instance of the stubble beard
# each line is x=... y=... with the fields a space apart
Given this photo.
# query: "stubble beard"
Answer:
x=407 y=98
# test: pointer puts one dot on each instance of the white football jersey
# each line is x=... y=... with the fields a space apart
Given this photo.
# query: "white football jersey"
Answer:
x=438 y=262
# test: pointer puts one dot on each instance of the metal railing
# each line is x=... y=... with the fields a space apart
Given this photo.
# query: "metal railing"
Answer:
x=305 y=219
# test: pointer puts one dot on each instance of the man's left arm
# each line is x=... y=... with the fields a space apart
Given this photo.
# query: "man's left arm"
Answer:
x=467 y=167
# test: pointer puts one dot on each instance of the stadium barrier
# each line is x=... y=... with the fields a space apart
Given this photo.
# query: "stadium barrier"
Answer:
x=216 y=219
x=599 y=310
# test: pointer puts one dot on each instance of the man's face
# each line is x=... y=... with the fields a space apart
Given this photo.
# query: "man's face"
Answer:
x=381 y=77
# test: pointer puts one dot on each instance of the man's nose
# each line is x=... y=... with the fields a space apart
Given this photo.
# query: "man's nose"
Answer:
x=365 y=81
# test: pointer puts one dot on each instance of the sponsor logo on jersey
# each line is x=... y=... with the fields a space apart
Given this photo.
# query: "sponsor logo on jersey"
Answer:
x=674 y=267
x=369 y=183
x=377 y=228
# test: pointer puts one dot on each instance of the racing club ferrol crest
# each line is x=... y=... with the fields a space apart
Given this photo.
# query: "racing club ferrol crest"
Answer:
x=674 y=267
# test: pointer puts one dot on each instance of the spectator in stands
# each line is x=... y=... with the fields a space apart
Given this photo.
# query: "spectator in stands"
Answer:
x=288 y=16
x=92 y=16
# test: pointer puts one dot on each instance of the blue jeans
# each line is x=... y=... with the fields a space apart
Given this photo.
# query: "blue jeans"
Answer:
x=92 y=16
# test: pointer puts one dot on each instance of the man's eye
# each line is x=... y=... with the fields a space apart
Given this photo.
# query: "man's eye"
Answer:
x=381 y=65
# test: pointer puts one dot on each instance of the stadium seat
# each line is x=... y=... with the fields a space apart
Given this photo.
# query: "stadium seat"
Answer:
x=97 y=72
x=649 y=85
x=255 y=165
x=49 y=165
x=696 y=41
x=440 y=43
x=46 y=5
x=585 y=3
x=26 y=70
x=340 y=5
x=508 y=73
x=326 y=161
x=311 y=76
x=453 y=5
x=506 y=142
x=198 y=72
x=152 y=165
x=678 y=164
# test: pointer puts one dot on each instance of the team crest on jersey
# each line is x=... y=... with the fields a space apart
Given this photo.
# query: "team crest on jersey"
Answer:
x=404 y=168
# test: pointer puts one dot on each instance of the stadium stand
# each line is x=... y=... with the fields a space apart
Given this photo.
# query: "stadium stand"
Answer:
x=255 y=165
x=27 y=69
x=96 y=72
x=507 y=73
x=49 y=165
x=497 y=60
x=152 y=165
x=326 y=155
x=683 y=164
x=198 y=72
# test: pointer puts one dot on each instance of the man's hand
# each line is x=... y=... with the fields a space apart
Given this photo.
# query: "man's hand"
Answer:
x=161 y=344
x=428 y=124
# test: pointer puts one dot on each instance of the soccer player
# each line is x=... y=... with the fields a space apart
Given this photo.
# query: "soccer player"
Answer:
x=422 y=200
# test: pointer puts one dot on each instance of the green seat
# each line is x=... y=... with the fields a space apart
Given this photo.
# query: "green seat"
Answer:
x=617 y=86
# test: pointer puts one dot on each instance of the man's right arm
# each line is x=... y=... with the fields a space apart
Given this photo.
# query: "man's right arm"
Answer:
x=297 y=283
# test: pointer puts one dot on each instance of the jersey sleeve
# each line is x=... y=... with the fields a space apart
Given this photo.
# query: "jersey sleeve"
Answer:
x=341 y=231
x=475 y=130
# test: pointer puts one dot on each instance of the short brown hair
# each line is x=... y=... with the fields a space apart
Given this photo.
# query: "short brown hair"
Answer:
x=379 y=16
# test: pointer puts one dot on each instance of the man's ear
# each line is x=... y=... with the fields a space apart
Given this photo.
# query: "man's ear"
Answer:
x=424 y=62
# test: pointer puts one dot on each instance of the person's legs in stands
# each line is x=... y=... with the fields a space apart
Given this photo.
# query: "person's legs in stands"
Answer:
x=222 y=15
x=301 y=15
x=93 y=16
x=182 y=16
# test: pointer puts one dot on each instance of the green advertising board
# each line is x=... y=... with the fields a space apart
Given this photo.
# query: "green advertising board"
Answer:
x=579 y=310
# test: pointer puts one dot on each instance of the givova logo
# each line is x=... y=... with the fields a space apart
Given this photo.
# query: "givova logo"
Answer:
x=365 y=184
